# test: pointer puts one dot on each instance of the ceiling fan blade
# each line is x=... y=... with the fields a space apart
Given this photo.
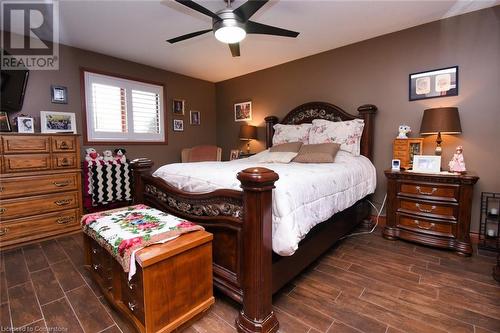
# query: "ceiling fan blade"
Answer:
x=235 y=49
x=184 y=37
x=199 y=8
x=264 y=29
x=246 y=10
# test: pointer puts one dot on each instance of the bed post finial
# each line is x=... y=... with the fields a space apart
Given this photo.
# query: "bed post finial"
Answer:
x=367 y=112
x=270 y=122
x=140 y=167
x=257 y=314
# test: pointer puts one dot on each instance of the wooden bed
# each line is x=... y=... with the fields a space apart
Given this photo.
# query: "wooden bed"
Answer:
x=245 y=268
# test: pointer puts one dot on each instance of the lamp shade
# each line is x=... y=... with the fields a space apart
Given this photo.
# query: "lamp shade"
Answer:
x=444 y=120
x=248 y=132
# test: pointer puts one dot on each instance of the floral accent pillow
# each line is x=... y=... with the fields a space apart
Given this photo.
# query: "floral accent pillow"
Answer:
x=291 y=133
x=346 y=133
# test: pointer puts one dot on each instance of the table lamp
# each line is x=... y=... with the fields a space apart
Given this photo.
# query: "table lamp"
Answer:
x=440 y=121
x=248 y=133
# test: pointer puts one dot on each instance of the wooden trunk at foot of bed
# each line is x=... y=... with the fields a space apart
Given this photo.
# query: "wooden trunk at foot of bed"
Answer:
x=245 y=268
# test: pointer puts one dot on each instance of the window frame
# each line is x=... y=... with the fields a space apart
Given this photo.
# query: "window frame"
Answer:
x=163 y=109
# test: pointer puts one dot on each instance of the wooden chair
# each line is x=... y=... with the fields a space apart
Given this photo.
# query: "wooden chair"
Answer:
x=201 y=153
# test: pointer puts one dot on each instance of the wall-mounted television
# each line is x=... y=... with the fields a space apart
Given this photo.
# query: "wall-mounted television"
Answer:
x=13 y=87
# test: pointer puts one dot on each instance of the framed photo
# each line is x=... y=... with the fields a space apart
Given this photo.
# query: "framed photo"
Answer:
x=25 y=125
x=57 y=122
x=178 y=106
x=427 y=163
x=243 y=111
x=194 y=118
x=4 y=122
x=178 y=125
x=234 y=155
x=435 y=83
x=59 y=94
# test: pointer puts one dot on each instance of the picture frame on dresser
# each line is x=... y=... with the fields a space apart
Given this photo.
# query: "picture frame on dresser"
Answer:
x=57 y=122
x=426 y=163
x=25 y=125
x=4 y=122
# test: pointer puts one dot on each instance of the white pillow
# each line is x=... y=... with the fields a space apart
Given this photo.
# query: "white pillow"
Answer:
x=291 y=133
x=272 y=157
x=346 y=133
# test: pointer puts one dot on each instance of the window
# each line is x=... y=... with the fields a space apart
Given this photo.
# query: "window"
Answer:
x=123 y=110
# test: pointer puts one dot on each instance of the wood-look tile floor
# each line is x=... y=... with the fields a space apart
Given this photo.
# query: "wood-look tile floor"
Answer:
x=365 y=284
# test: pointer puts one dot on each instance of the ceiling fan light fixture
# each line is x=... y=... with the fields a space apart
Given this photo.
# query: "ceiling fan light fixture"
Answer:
x=229 y=31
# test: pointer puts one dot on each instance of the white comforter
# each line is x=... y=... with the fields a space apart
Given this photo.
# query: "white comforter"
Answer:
x=305 y=194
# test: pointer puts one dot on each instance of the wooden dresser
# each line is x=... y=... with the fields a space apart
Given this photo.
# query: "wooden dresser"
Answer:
x=40 y=187
x=431 y=209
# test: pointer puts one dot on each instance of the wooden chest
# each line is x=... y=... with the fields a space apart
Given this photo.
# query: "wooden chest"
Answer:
x=40 y=187
x=405 y=149
x=172 y=285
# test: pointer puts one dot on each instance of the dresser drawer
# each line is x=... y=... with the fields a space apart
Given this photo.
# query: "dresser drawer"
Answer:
x=400 y=154
x=28 y=162
x=132 y=294
x=426 y=226
x=64 y=161
x=32 y=185
x=35 y=227
x=429 y=209
x=61 y=144
x=101 y=264
x=430 y=191
x=16 y=144
x=28 y=206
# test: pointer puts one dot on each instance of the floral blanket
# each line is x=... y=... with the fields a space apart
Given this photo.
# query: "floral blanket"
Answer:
x=123 y=231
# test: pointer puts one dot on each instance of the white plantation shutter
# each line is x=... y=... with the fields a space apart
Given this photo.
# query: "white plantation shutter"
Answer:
x=123 y=110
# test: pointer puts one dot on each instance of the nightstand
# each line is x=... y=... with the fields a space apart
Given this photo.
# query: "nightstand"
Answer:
x=431 y=209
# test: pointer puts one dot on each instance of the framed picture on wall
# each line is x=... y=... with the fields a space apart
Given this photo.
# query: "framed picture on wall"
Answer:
x=441 y=82
x=57 y=122
x=178 y=106
x=59 y=94
x=243 y=111
x=178 y=125
x=194 y=117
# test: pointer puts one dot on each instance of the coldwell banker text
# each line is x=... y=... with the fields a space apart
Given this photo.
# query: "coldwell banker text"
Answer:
x=30 y=35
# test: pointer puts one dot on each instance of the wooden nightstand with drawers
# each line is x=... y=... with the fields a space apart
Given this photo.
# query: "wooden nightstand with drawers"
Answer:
x=40 y=187
x=431 y=209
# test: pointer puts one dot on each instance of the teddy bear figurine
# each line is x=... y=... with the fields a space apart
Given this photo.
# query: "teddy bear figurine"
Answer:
x=92 y=155
x=403 y=131
x=120 y=155
x=107 y=156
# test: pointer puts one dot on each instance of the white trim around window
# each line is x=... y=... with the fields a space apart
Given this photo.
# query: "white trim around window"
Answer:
x=123 y=110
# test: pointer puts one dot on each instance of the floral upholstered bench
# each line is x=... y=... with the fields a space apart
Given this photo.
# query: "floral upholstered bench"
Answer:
x=144 y=261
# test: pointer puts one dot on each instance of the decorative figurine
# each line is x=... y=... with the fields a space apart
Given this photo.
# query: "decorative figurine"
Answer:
x=403 y=130
x=92 y=155
x=120 y=155
x=107 y=156
x=457 y=163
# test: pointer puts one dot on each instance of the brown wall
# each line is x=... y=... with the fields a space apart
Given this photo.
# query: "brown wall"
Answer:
x=199 y=95
x=376 y=71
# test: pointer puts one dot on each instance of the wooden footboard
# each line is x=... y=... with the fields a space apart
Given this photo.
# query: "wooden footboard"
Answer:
x=242 y=264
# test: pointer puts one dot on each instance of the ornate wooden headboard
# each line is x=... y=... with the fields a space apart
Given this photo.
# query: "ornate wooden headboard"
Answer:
x=307 y=112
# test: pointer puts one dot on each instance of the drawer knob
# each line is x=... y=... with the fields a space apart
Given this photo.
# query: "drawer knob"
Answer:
x=2 y=210
x=4 y=231
x=65 y=162
x=425 y=210
x=62 y=184
x=1 y=188
x=64 y=145
x=419 y=190
x=95 y=251
x=63 y=202
x=96 y=267
x=64 y=220
x=131 y=286
x=132 y=305
x=432 y=225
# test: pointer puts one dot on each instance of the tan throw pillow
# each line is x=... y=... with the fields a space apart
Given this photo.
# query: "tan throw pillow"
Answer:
x=290 y=147
x=317 y=153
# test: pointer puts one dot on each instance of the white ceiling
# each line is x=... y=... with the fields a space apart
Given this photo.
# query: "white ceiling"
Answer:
x=137 y=30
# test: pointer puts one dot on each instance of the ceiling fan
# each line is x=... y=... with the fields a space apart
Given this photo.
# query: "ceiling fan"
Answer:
x=231 y=26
